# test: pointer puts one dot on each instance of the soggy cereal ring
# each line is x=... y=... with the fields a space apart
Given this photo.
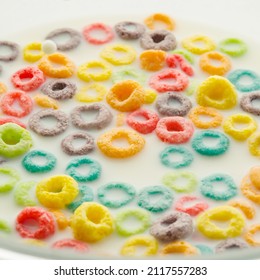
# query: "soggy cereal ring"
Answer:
x=166 y=157
x=178 y=247
x=246 y=103
x=219 y=148
x=103 y=191
x=249 y=190
x=129 y=30
x=152 y=60
x=11 y=120
x=76 y=245
x=14 y=140
x=253 y=144
x=32 y=52
x=143 y=126
x=209 y=187
x=14 y=177
x=105 y=143
x=204 y=249
x=46 y=102
x=246 y=208
x=198 y=44
x=142 y=216
x=3 y=87
x=185 y=54
x=163 y=18
x=174 y=60
x=44 y=219
x=72 y=42
x=57 y=191
x=105 y=29
x=83 y=95
x=59 y=89
x=206 y=225
x=61 y=125
x=249 y=235
x=198 y=206
x=233 y=47
x=31 y=165
x=163 y=203
x=14 y=49
x=229 y=244
x=103 y=118
x=22 y=193
x=4 y=226
x=93 y=174
x=24 y=101
x=174 y=130
x=68 y=147
x=91 y=222
x=165 y=107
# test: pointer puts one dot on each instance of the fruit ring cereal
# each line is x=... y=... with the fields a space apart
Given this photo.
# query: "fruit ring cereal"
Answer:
x=152 y=60
x=247 y=103
x=179 y=247
x=233 y=47
x=90 y=29
x=249 y=190
x=83 y=95
x=13 y=178
x=13 y=47
x=246 y=208
x=71 y=243
x=129 y=30
x=165 y=19
x=33 y=52
x=192 y=44
x=230 y=244
x=249 y=235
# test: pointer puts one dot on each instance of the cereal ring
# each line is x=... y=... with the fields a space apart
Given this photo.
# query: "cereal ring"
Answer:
x=249 y=235
x=76 y=245
x=90 y=29
x=204 y=249
x=165 y=106
x=186 y=54
x=230 y=244
x=166 y=156
x=233 y=47
x=172 y=226
x=128 y=73
x=11 y=120
x=5 y=227
x=145 y=199
x=245 y=207
x=3 y=87
x=105 y=143
x=253 y=144
x=143 y=218
x=72 y=42
x=49 y=47
x=46 y=102
x=61 y=220
x=22 y=194
x=59 y=89
x=14 y=140
x=14 y=49
x=254 y=175
x=126 y=96
x=151 y=20
x=159 y=80
x=103 y=118
x=249 y=190
x=143 y=126
x=57 y=191
x=219 y=148
x=14 y=177
x=205 y=222
x=152 y=60
x=61 y=125
x=198 y=111
x=174 y=130
x=129 y=247
x=199 y=206
x=91 y=222
x=247 y=104
x=24 y=101
x=158 y=40
x=32 y=166
x=44 y=220
x=82 y=95
x=173 y=60
x=177 y=247
x=129 y=30
x=33 y=52
x=72 y=150
x=93 y=174
x=210 y=187
x=198 y=44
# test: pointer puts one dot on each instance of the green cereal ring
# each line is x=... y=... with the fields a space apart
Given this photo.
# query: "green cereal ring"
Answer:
x=116 y=203
x=199 y=146
x=22 y=193
x=162 y=204
x=14 y=140
x=186 y=54
x=186 y=160
x=204 y=249
x=14 y=178
x=4 y=226
x=128 y=73
x=208 y=189
x=170 y=180
x=33 y=167
x=93 y=174
x=142 y=216
x=233 y=47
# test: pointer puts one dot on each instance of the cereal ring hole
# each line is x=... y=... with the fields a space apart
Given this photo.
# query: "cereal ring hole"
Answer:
x=31 y=225
x=174 y=126
x=98 y=33
x=256 y=102
x=157 y=38
x=210 y=141
x=215 y=62
x=48 y=122
x=120 y=142
x=94 y=216
x=58 y=86
x=26 y=76
x=171 y=220
x=5 y=51
x=131 y=223
x=11 y=138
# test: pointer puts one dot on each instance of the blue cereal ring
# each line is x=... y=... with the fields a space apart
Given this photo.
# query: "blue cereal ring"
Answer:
x=204 y=249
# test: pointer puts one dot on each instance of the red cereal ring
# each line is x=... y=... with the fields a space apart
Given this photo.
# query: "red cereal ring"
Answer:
x=199 y=206
x=143 y=126
x=27 y=79
x=24 y=100
x=43 y=221
x=175 y=60
x=107 y=30
x=11 y=120
x=160 y=82
x=174 y=130
x=71 y=243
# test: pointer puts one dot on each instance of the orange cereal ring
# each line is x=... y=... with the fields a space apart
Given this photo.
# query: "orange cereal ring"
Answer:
x=179 y=247
x=254 y=175
x=152 y=60
x=126 y=96
x=249 y=190
x=249 y=235
x=198 y=44
x=207 y=66
x=65 y=70
x=3 y=88
x=61 y=220
x=245 y=207
x=169 y=22
x=135 y=140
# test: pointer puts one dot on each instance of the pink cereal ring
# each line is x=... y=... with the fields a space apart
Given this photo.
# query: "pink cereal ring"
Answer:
x=27 y=79
x=160 y=81
x=199 y=206
x=107 y=30
x=44 y=220
x=11 y=120
x=143 y=126
x=71 y=243
x=174 y=130
x=24 y=101
x=175 y=60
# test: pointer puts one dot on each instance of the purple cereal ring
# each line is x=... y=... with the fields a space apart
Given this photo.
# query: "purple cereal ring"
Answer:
x=13 y=47
x=129 y=30
x=230 y=244
x=246 y=103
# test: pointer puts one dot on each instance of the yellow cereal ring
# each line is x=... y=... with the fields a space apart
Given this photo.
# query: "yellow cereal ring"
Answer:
x=205 y=222
x=57 y=191
x=60 y=218
x=3 y=88
x=254 y=144
x=242 y=134
x=198 y=44
x=33 y=52
x=46 y=102
x=249 y=190
x=83 y=95
x=216 y=92
x=126 y=96
x=249 y=235
x=150 y=96
x=245 y=207
x=135 y=140
x=150 y=21
x=91 y=222
x=254 y=175
x=177 y=247
x=129 y=247
x=65 y=70
x=84 y=74
x=109 y=54
x=152 y=60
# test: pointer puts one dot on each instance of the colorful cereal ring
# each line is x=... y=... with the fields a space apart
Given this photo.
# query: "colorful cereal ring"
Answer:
x=247 y=103
x=83 y=96
x=22 y=193
x=245 y=207
x=192 y=44
x=199 y=205
x=90 y=29
x=76 y=245
x=230 y=244
x=249 y=190
x=46 y=102
x=163 y=18
x=254 y=174
x=174 y=60
x=32 y=52
x=204 y=249
x=178 y=247
x=186 y=54
x=129 y=30
x=5 y=120
x=152 y=60
x=253 y=144
x=233 y=46
x=61 y=220
x=14 y=177
x=14 y=51
x=249 y=235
